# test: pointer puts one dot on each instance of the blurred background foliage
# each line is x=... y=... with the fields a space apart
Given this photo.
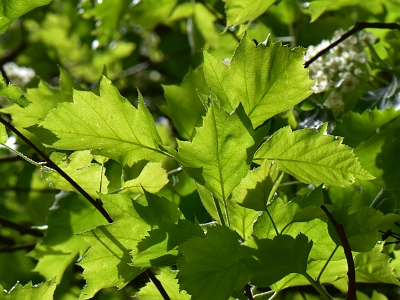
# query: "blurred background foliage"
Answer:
x=151 y=45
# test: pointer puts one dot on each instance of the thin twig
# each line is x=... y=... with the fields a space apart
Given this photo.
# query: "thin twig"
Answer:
x=351 y=273
x=158 y=284
x=96 y=203
x=20 y=228
x=359 y=26
x=12 y=248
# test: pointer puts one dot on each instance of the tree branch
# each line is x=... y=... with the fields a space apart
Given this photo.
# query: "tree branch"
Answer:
x=158 y=284
x=12 y=248
x=96 y=203
x=247 y=292
x=359 y=26
x=20 y=228
x=351 y=273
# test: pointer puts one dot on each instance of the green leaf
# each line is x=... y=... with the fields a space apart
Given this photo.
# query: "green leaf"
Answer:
x=241 y=219
x=271 y=260
x=12 y=10
x=60 y=247
x=42 y=291
x=152 y=178
x=318 y=7
x=108 y=124
x=13 y=93
x=212 y=267
x=255 y=189
x=220 y=153
x=106 y=264
x=170 y=284
x=160 y=247
x=42 y=99
x=241 y=11
x=313 y=157
x=355 y=127
x=266 y=79
x=90 y=176
x=361 y=227
x=3 y=134
x=183 y=104
x=374 y=266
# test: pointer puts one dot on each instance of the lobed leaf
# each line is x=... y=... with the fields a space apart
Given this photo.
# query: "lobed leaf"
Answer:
x=43 y=291
x=313 y=157
x=271 y=260
x=107 y=262
x=266 y=79
x=107 y=124
x=211 y=267
x=220 y=153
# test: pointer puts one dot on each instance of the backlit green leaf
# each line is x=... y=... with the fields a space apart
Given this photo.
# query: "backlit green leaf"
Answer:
x=43 y=291
x=12 y=10
x=313 y=157
x=14 y=93
x=3 y=134
x=212 y=267
x=229 y=140
x=241 y=11
x=266 y=79
x=108 y=124
x=90 y=176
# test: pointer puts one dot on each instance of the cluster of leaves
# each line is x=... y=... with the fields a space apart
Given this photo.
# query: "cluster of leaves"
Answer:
x=220 y=191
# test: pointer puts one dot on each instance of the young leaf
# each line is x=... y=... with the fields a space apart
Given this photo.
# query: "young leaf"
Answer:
x=152 y=178
x=183 y=104
x=241 y=11
x=108 y=124
x=220 y=153
x=170 y=284
x=313 y=157
x=3 y=134
x=61 y=246
x=212 y=267
x=266 y=79
x=90 y=176
x=42 y=291
x=271 y=260
x=106 y=263
x=14 y=93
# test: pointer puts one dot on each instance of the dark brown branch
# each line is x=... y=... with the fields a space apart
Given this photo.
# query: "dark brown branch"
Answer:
x=351 y=273
x=158 y=284
x=359 y=26
x=27 y=246
x=96 y=203
x=20 y=228
x=247 y=292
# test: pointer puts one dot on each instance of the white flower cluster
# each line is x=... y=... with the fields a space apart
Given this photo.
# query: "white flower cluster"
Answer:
x=20 y=76
x=339 y=67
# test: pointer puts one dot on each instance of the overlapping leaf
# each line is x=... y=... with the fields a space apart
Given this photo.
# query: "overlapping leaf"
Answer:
x=313 y=157
x=212 y=267
x=14 y=93
x=108 y=124
x=61 y=246
x=184 y=106
x=266 y=79
x=106 y=264
x=220 y=153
